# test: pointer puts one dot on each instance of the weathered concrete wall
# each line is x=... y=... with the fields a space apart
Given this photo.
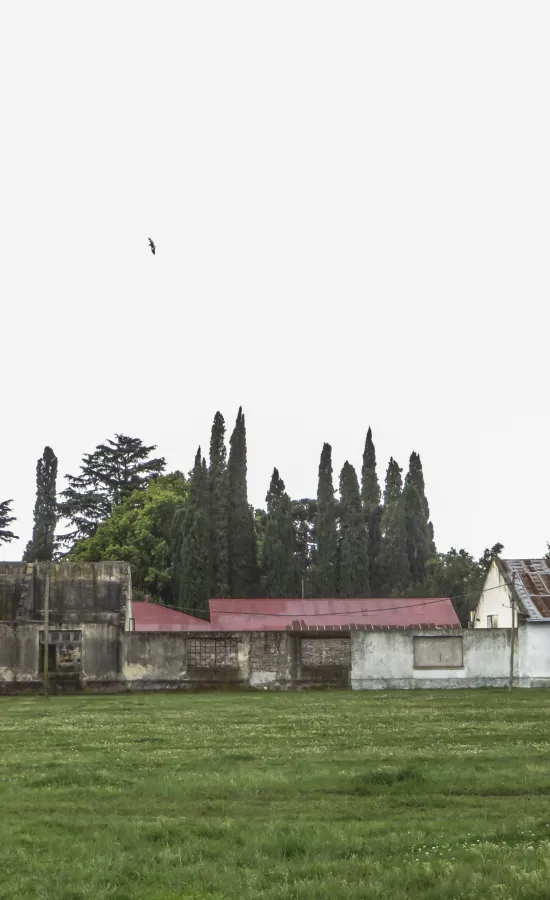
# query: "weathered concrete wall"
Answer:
x=495 y=600
x=100 y=656
x=79 y=592
x=534 y=655
x=386 y=659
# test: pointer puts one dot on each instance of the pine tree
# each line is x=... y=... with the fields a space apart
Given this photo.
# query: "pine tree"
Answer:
x=193 y=567
x=370 y=494
x=394 y=571
x=280 y=574
x=304 y=514
x=415 y=476
x=353 y=547
x=41 y=546
x=326 y=554
x=6 y=519
x=242 y=550
x=112 y=472
x=219 y=511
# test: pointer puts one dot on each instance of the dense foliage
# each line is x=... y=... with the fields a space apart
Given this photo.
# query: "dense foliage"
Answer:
x=6 y=519
x=42 y=544
x=112 y=472
x=139 y=531
x=190 y=539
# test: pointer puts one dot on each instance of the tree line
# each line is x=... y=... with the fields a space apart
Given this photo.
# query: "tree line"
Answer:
x=195 y=537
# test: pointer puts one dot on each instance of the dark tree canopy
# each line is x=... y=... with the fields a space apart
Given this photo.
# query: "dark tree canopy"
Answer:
x=41 y=546
x=353 y=548
x=326 y=555
x=393 y=560
x=280 y=571
x=192 y=567
x=218 y=486
x=244 y=576
x=6 y=519
x=112 y=472
x=370 y=494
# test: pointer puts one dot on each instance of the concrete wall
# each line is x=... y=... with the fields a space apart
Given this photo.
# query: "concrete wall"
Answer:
x=101 y=656
x=79 y=592
x=386 y=659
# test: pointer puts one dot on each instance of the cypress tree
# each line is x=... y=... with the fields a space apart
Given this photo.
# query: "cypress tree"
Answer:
x=353 y=548
x=242 y=550
x=394 y=571
x=280 y=574
x=41 y=547
x=326 y=554
x=415 y=476
x=370 y=494
x=219 y=512
x=193 y=567
x=6 y=519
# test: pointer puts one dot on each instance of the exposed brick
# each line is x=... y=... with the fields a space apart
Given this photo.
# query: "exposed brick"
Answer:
x=326 y=652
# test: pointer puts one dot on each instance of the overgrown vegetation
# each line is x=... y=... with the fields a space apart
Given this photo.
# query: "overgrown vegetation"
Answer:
x=192 y=538
x=387 y=796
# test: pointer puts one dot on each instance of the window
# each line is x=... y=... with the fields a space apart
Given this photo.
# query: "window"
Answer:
x=437 y=652
x=492 y=621
x=213 y=653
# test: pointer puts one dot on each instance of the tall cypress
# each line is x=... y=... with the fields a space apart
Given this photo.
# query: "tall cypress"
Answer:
x=41 y=547
x=193 y=566
x=219 y=511
x=326 y=554
x=353 y=548
x=415 y=476
x=370 y=495
x=280 y=571
x=394 y=570
x=242 y=550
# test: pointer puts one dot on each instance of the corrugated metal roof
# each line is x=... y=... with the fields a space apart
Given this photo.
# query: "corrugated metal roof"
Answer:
x=532 y=585
x=386 y=612
x=154 y=617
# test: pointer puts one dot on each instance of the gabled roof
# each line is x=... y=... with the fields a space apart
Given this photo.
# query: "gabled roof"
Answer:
x=154 y=617
x=531 y=578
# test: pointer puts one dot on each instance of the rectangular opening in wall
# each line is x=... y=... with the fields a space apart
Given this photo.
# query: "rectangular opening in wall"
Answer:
x=64 y=652
x=438 y=652
x=325 y=652
x=213 y=653
x=492 y=621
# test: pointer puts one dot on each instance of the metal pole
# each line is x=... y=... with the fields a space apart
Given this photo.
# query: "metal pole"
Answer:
x=46 y=631
x=512 y=633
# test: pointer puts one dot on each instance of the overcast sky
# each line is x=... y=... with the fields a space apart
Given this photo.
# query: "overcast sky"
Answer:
x=350 y=202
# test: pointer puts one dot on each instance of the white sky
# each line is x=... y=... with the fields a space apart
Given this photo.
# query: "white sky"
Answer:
x=350 y=202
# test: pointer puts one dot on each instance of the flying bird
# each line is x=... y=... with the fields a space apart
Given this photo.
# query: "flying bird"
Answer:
x=152 y=246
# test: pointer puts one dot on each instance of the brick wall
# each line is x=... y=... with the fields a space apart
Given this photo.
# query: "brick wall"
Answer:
x=325 y=652
x=213 y=653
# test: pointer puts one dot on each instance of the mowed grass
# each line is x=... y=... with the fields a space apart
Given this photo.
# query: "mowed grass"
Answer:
x=442 y=795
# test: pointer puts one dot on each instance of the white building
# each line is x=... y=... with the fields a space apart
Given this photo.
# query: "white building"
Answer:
x=522 y=585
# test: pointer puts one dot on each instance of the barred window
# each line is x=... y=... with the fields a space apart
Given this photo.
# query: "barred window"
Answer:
x=213 y=653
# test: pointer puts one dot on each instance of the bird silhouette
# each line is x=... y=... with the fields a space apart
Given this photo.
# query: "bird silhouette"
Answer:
x=152 y=246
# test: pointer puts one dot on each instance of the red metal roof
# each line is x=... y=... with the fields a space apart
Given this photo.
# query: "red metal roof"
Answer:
x=386 y=612
x=154 y=617
x=301 y=615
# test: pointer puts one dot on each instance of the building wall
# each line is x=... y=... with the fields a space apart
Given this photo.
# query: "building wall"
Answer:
x=388 y=659
x=495 y=600
x=79 y=592
x=101 y=656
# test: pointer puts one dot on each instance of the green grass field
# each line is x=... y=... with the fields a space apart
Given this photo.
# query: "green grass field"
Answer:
x=440 y=794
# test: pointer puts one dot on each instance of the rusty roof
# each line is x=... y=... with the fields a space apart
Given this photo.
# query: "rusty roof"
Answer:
x=532 y=585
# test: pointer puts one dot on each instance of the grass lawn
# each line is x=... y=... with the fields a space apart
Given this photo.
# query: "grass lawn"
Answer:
x=425 y=794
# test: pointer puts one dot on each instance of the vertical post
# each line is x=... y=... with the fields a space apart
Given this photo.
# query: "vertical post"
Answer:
x=303 y=588
x=46 y=631
x=512 y=632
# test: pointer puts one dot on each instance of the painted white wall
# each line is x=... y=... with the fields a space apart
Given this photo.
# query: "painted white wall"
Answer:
x=495 y=600
x=534 y=653
x=386 y=659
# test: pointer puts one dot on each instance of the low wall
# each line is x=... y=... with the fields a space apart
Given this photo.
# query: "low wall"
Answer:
x=99 y=656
